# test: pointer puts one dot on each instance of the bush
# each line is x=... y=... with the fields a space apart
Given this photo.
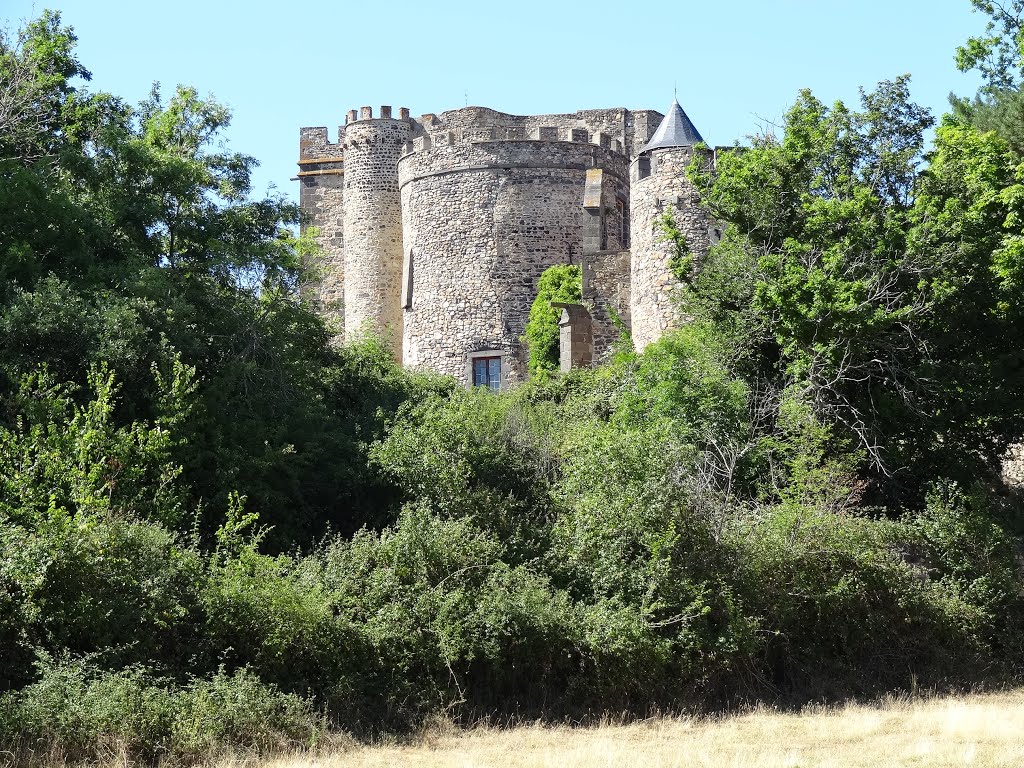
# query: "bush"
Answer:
x=80 y=713
x=125 y=589
x=274 y=617
x=560 y=283
x=843 y=610
x=453 y=626
x=477 y=455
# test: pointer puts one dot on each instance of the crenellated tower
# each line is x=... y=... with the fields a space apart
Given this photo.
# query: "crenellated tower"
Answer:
x=436 y=230
x=372 y=221
x=484 y=215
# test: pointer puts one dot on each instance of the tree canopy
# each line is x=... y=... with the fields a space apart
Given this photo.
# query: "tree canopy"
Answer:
x=221 y=529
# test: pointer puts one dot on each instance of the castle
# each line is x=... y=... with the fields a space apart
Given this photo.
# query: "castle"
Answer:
x=435 y=230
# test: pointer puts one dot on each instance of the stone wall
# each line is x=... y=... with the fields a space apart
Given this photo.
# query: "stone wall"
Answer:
x=654 y=289
x=619 y=129
x=435 y=231
x=606 y=287
x=372 y=225
x=482 y=221
x=321 y=197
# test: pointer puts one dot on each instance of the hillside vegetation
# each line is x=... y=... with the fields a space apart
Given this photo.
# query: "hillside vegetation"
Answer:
x=218 y=531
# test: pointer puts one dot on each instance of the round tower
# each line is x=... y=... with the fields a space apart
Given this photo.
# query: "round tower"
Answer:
x=373 y=224
x=658 y=186
x=483 y=219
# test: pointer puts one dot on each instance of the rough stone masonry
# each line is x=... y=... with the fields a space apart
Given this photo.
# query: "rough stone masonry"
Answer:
x=435 y=230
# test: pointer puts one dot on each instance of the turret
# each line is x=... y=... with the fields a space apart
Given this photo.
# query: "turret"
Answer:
x=658 y=184
x=373 y=223
x=321 y=194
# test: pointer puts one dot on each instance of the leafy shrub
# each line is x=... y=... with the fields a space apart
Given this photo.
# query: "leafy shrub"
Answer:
x=478 y=455
x=560 y=283
x=125 y=589
x=452 y=625
x=81 y=713
x=266 y=614
x=841 y=608
x=59 y=454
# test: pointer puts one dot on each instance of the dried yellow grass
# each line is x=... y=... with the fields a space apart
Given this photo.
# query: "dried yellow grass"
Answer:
x=982 y=731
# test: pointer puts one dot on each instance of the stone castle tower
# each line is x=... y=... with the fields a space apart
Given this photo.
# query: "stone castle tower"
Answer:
x=435 y=230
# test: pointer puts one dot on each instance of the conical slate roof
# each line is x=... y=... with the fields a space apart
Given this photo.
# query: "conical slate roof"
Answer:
x=676 y=130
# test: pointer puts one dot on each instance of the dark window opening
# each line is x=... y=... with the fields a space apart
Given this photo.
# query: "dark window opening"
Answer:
x=623 y=224
x=487 y=372
x=407 y=277
x=644 y=167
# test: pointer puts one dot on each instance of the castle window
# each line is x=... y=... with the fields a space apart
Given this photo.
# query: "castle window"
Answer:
x=643 y=166
x=620 y=204
x=407 y=275
x=487 y=372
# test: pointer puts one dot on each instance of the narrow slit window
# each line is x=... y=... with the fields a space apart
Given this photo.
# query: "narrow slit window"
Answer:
x=407 y=277
x=620 y=204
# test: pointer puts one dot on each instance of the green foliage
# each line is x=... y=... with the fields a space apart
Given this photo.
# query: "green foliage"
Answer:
x=125 y=589
x=220 y=530
x=560 y=283
x=84 y=713
x=263 y=613
x=128 y=239
x=681 y=257
x=974 y=558
x=872 y=287
x=73 y=458
x=998 y=55
x=838 y=605
x=471 y=454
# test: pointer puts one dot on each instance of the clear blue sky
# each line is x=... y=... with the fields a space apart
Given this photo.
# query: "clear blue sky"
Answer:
x=738 y=63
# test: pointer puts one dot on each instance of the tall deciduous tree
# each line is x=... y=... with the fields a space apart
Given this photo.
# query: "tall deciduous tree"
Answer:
x=998 y=56
x=882 y=293
x=130 y=237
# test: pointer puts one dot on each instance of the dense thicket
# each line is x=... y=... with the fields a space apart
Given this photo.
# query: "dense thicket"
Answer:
x=218 y=530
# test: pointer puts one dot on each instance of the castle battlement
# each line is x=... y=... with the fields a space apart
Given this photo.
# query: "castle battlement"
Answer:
x=435 y=230
x=315 y=145
x=447 y=154
x=551 y=134
x=366 y=113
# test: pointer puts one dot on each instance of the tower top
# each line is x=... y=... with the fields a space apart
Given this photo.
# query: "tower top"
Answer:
x=676 y=130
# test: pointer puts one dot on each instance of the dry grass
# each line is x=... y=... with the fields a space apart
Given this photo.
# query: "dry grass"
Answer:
x=981 y=731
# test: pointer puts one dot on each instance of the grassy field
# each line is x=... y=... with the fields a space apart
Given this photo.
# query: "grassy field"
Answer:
x=981 y=731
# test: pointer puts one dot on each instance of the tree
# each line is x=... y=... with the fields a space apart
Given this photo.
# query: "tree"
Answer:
x=997 y=57
x=875 y=284
x=129 y=238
